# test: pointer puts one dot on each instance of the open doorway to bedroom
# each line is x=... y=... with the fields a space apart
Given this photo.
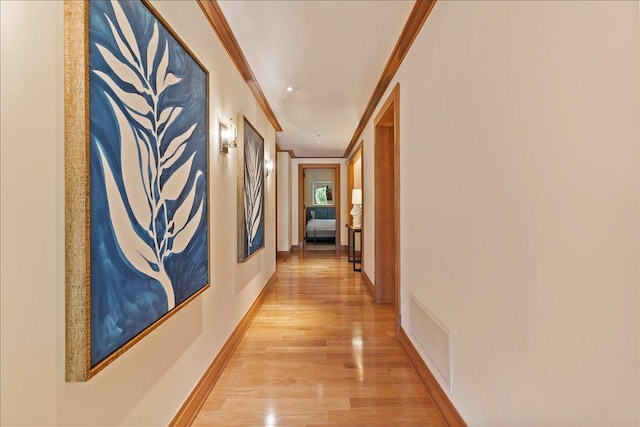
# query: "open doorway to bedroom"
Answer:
x=387 y=202
x=355 y=202
x=319 y=206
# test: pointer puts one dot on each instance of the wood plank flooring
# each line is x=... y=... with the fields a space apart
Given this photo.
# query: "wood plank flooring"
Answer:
x=319 y=353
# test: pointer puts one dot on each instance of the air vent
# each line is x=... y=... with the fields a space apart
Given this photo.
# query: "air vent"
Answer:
x=433 y=337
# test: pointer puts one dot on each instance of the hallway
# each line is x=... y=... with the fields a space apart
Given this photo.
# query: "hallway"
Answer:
x=319 y=353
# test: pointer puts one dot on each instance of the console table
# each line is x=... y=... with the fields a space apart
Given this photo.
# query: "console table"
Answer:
x=351 y=245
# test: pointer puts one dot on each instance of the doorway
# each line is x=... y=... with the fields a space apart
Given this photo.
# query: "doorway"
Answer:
x=355 y=182
x=325 y=204
x=387 y=203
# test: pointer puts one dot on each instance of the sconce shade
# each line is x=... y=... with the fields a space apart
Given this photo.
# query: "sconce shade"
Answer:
x=356 y=196
x=227 y=136
x=268 y=166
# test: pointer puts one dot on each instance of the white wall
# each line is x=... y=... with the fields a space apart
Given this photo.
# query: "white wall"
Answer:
x=357 y=173
x=343 y=194
x=284 y=200
x=148 y=384
x=519 y=205
x=31 y=129
x=312 y=175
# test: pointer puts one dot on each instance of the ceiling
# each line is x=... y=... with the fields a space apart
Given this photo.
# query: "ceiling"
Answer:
x=331 y=52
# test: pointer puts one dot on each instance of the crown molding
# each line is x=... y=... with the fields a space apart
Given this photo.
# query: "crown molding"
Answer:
x=292 y=154
x=412 y=27
x=214 y=15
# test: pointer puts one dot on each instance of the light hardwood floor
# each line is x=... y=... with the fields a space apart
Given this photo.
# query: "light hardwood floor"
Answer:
x=319 y=353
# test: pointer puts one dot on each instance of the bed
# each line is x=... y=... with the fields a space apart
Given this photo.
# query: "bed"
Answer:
x=321 y=224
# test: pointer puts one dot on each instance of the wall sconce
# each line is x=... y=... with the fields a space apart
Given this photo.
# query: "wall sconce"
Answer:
x=356 y=212
x=268 y=166
x=228 y=135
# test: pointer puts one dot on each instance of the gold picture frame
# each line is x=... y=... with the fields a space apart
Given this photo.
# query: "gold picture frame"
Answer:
x=150 y=226
x=251 y=187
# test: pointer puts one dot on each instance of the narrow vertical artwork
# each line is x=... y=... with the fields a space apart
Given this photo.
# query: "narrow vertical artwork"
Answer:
x=147 y=179
x=250 y=193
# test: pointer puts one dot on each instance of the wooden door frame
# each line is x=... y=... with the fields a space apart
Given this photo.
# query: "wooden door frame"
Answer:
x=355 y=156
x=391 y=105
x=301 y=219
x=275 y=176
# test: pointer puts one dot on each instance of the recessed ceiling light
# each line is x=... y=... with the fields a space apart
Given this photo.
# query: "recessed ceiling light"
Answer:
x=290 y=88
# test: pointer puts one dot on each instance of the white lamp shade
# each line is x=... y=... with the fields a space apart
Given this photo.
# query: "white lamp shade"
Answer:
x=356 y=196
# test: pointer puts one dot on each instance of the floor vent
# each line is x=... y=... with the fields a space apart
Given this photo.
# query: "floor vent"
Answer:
x=433 y=337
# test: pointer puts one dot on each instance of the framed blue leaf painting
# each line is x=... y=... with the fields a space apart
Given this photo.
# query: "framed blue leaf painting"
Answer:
x=145 y=186
x=250 y=192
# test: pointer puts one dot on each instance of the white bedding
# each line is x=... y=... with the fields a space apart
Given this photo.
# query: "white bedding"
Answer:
x=320 y=225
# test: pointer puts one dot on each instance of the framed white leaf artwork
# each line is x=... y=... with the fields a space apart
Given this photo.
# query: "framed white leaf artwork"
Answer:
x=136 y=131
x=250 y=192
x=323 y=193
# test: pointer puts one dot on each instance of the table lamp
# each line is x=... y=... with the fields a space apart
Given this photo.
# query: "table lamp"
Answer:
x=356 y=211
